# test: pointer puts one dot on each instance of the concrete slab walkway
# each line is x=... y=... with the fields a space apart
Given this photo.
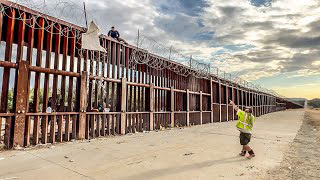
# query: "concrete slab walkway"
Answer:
x=202 y=152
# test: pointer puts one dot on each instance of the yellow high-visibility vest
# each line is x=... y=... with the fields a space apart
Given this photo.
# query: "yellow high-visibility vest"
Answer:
x=245 y=121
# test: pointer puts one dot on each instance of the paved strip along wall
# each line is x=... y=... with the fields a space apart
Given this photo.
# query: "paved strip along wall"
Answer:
x=43 y=65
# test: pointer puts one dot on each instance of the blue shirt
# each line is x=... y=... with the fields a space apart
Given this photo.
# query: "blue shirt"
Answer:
x=113 y=34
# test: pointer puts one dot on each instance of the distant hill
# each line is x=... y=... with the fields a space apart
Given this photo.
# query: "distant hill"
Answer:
x=297 y=99
x=314 y=103
x=300 y=101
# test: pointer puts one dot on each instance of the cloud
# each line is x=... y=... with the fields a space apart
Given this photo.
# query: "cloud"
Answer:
x=259 y=3
x=187 y=7
x=251 y=38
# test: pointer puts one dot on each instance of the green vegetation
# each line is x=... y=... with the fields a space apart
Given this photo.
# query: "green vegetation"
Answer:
x=31 y=98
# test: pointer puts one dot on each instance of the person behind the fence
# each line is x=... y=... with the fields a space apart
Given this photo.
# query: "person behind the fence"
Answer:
x=245 y=125
x=49 y=108
x=100 y=107
x=114 y=33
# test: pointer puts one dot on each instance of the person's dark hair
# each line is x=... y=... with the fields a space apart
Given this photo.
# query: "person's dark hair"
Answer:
x=112 y=27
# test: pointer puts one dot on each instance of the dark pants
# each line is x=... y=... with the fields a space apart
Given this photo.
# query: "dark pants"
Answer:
x=245 y=138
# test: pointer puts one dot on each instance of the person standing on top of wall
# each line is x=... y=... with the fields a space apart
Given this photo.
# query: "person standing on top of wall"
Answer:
x=245 y=125
x=116 y=35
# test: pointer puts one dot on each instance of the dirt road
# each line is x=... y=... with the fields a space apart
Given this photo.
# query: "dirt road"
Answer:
x=202 y=152
x=302 y=160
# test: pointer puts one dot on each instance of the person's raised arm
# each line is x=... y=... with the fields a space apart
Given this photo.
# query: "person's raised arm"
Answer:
x=234 y=106
x=109 y=33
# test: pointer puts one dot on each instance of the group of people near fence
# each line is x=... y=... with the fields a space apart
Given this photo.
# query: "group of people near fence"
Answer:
x=104 y=107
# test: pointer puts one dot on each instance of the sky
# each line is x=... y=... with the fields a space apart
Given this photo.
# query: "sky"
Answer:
x=274 y=43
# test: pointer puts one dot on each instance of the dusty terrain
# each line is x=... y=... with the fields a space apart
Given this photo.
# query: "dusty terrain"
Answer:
x=201 y=152
x=302 y=160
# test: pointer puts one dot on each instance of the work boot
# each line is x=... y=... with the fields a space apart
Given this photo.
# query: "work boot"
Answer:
x=242 y=153
x=251 y=154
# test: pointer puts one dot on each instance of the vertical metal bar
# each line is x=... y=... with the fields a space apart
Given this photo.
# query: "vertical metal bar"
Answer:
x=53 y=129
x=113 y=124
x=1 y=25
x=56 y=64
x=211 y=100
x=139 y=103
x=44 y=123
x=200 y=107
x=63 y=84
x=97 y=125
x=188 y=108
x=108 y=73
x=143 y=88
x=8 y=55
x=48 y=63
x=83 y=105
x=118 y=61
x=21 y=105
x=103 y=124
x=67 y=128
x=74 y=127
x=36 y=99
x=90 y=97
x=123 y=105
x=172 y=103
x=226 y=102
x=8 y=132
x=29 y=60
x=151 y=123
x=103 y=101
x=108 y=124
x=92 y=119
x=113 y=76
x=220 y=115
x=79 y=55
x=97 y=84
x=72 y=54
x=118 y=89
x=131 y=101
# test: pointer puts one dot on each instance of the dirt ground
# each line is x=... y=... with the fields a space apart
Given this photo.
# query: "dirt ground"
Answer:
x=302 y=159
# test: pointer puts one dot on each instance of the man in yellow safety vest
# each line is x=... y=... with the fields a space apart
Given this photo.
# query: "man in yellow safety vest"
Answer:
x=245 y=125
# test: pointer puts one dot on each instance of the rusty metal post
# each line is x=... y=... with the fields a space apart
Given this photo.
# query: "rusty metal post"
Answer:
x=238 y=99
x=233 y=99
x=220 y=117
x=211 y=100
x=258 y=104
x=200 y=107
x=8 y=132
x=123 y=105
x=262 y=104
x=256 y=101
x=249 y=101
x=151 y=106
x=242 y=98
x=83 y=104
x=188 y=107
x=172 y=106
x=21 y=104
x=227 y=104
